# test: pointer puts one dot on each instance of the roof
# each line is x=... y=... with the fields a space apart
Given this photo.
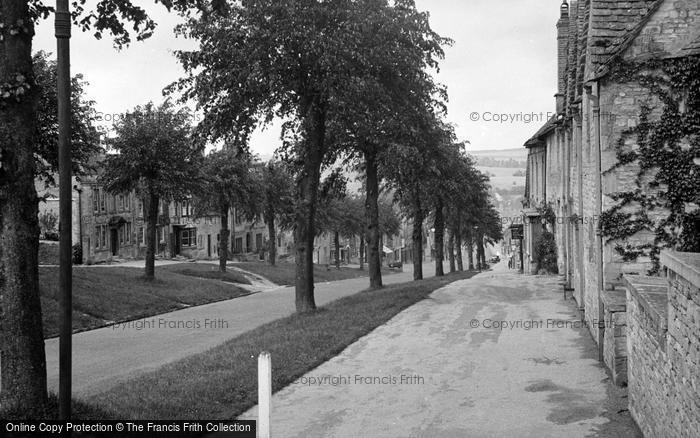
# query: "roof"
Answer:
x=614 y=26
x=543 y=131
x=693 y=48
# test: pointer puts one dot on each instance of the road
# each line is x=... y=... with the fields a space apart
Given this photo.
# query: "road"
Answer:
x=104 y=357
x=497 y=355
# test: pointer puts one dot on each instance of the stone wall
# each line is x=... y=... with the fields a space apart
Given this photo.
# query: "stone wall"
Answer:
x=663 y=337
x=615 y=338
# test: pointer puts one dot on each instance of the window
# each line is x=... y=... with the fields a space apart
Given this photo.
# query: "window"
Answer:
x=101 y=236
x=96 y=199
x=121 y=235
x=141 y=236
x=120 y=202
x=127 y=201
x=161 y=233
x=279 y=242
x=188 y=237
x=127 y=231
x=186 y=209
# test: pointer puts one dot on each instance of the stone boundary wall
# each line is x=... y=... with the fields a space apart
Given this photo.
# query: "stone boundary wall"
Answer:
x=663 y=341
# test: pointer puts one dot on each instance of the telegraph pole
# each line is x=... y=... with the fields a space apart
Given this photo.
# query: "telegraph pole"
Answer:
x=63 y=24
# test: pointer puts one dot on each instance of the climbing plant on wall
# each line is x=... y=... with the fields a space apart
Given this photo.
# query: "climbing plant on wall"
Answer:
x=666 y=198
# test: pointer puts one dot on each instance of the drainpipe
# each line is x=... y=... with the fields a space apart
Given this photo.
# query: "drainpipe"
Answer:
x=595 y=101
x=578 y=143
x=80 y=216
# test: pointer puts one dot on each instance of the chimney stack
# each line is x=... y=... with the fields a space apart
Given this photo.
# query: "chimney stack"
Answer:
x=562 y=55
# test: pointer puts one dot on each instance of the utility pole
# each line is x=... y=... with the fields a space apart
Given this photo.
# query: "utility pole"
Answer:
x=65 y=280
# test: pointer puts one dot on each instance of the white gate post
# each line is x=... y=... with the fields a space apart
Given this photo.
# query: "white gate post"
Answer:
x=264 y=394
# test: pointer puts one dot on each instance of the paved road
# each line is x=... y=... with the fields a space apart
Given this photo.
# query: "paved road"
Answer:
x=440 y=369
x=104 y=357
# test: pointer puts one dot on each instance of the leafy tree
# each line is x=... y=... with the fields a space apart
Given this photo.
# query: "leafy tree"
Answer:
x=402 y=49
x=85 y=136
x=262 y=59
x=277 y=183
x=309 y=63
x=226 y=182
x=21 y=335
x=343 y=216
x=412 y=165
x=466 y=192
x=147 y=140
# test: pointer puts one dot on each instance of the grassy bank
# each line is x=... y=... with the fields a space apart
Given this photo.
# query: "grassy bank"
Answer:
x=284 y=273
x=206 y=270
x=222 y=382
x=104 y=295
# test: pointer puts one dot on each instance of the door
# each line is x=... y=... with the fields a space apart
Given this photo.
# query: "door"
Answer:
x=114 y=239
x=178 y=241
x=258 y=243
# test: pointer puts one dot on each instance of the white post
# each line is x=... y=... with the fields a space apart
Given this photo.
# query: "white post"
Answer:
x=264 y=394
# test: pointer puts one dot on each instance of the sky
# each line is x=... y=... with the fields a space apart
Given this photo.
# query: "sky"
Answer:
x=500 y=72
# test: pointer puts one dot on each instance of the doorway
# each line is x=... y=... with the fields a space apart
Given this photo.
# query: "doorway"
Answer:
x=114 y=240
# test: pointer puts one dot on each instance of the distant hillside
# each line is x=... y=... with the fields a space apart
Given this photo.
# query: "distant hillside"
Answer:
x=511 y=158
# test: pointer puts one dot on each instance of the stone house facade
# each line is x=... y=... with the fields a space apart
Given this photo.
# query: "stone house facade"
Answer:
x=113 y=227
x=581 y=172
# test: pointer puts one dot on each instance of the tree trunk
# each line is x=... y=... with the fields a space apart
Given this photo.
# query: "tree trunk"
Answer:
x=273 y=238
x=151 y=208
x=470 y=254
x=224 y=238
x=417 y=242
x=481 y=252
x=336 y=243
x=372 y=212
x=362 y=253
x=451 y=249
x=305 y=210
x=22 y=354
x=458 y=247
x=439 y=225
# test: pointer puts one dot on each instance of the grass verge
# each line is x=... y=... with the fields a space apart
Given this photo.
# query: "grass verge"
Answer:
x=222 y=382
x=105 y=295
x=284 y=273
x=208 y=271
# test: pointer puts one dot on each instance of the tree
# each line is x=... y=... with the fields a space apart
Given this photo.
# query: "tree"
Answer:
x=21 y=335
x=409 y=167
x=305 y=62
x=226 y=182
x=342 y=216
x=444 y=187
x=398 y=86
x=85 y=136
x=277 y=185
x=147 y=140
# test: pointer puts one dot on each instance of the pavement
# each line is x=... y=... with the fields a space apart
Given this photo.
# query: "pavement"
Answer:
x=104 y=357
x=497 y=355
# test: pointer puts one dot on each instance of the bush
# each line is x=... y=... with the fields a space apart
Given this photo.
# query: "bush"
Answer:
x=77 y=254
x=546 y=253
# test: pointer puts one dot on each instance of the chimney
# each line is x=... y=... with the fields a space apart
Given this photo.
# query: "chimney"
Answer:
x=562 y=55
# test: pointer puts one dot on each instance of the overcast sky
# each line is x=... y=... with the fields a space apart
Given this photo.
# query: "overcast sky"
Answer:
x=503 y=61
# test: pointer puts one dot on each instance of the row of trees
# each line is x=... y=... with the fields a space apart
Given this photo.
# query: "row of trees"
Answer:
x=351 y=79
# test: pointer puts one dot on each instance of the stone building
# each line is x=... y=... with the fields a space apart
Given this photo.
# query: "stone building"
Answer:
x=573 y=163
x=113 y=227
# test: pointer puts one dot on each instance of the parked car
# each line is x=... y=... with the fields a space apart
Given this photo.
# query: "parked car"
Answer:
x=495 y=259
x=395 y=265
